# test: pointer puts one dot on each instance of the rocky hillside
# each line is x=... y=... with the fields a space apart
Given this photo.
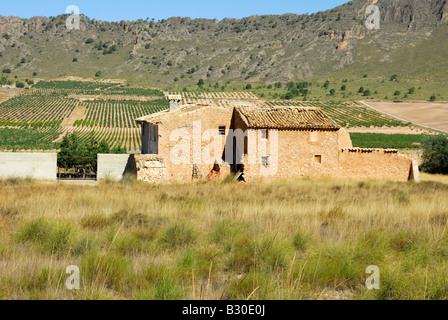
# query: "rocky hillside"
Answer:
x=254 y=49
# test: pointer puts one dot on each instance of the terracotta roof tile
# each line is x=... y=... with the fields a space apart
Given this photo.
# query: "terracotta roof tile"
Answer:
x=286 y=118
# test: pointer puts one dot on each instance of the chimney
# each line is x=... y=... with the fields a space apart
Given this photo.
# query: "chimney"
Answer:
x=175 y=101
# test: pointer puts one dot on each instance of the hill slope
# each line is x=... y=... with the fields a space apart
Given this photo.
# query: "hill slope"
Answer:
x=253 y=49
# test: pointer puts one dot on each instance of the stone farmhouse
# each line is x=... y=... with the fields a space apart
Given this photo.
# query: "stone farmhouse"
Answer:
x=199 y=140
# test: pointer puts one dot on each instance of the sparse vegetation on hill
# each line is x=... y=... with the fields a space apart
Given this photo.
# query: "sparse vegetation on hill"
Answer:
x=255 y=51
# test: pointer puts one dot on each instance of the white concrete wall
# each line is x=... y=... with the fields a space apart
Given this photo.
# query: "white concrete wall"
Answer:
x=112 y=165
x=40 y=166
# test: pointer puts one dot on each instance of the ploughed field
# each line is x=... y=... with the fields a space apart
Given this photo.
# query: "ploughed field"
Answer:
x=296 y=239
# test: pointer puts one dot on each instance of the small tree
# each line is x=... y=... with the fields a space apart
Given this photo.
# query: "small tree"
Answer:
x=435 y=154
x=433 y=98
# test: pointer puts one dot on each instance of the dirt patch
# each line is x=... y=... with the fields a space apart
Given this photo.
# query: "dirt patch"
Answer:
x=112 y=97
x=78 y=114
x=72 y=78
x=394 y=130
x=429 y=114
x=6 y=94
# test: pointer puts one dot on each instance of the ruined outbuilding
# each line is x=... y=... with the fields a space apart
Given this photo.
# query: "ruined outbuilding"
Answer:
x=194 y=141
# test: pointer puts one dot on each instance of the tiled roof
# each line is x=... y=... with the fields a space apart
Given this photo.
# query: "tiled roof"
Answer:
x=292 y=118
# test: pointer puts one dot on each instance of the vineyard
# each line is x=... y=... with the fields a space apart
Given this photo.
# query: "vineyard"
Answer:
x=91 y=88
x=40 y=117
x=29 y=138
x=129 y=138
x=119 y=114
x=346 y=114
x=113 y=121
x=221 y=99
x=27 y=110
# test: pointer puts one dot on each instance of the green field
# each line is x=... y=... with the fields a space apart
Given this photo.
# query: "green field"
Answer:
x=387 y=141
x=29 y=138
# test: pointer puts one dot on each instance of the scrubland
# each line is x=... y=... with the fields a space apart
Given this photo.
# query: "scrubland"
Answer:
x=294 y=239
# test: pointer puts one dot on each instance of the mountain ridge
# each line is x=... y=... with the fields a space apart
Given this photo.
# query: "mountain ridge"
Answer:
x=180 y=50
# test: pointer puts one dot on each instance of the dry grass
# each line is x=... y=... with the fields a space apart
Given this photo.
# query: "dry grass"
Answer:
x=297 y=239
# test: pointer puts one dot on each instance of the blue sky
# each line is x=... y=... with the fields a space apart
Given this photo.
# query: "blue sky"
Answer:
x=114 y=10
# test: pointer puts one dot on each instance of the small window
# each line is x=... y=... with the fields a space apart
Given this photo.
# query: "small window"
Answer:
x=222 y=131
x=264 y=134
x=265 y=161
x=318 y=159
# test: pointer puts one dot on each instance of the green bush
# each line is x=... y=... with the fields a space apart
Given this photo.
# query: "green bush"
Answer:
x=435 y=154
x=178 y=235
x=49 y=237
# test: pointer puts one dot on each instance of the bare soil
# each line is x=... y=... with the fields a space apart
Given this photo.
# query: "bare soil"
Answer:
x=394 y=130
x=426 y=113
x=6 y=94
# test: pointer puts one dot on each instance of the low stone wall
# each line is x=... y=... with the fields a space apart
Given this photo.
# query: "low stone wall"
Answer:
x=114 y=165
x=40 y=166
x=375 y=163
x=150 y=168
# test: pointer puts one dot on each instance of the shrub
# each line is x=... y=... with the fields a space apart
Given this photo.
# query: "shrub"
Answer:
x=301 y=240
x=435 y=154
x=49 y=237
x=94 y=221
x=178 y=235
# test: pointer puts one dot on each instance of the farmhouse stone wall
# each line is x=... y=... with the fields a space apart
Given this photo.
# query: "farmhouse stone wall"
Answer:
x=375 y=164
x=178 y=151
x=184 y=149
x=150 y=168
x=301 y=153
